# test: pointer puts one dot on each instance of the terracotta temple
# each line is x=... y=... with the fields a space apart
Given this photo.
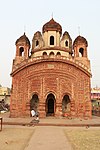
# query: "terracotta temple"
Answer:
x=51 y=75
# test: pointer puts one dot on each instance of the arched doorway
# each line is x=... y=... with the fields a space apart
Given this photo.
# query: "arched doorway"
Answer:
x=34 y=102
x=66 y=105
x=50 y=105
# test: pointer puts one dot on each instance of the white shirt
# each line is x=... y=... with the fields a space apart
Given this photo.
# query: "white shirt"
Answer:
x=32 y=113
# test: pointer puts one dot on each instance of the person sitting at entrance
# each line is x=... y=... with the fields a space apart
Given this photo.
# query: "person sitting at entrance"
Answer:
x=33 y=113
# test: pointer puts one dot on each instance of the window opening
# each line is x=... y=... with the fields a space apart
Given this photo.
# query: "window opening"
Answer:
x=66 y=43
x=81 y=51
x=21 y=51
x=37 y=43
x=51 y=40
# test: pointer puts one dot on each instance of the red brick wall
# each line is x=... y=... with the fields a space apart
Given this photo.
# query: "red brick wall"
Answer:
x=56 y=77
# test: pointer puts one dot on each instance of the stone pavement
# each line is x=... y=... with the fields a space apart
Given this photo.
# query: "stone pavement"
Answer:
x=48 y=138
x=50 y=121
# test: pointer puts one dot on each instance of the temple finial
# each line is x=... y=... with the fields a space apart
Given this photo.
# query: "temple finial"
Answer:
x=79 y=30
x=52 y=14
x=24 y=29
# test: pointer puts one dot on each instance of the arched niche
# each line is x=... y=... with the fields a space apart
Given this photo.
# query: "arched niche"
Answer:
x=44 y=54
x=34 y=102
x=51 y=54
x=66 y=104
x=58 y=54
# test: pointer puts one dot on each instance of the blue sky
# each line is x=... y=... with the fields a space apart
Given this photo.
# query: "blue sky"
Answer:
x=17 y=16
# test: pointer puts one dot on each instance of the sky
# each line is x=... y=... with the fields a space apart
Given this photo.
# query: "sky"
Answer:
x=29 y=16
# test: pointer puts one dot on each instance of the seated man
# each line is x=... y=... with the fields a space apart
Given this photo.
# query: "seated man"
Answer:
x=33 y=113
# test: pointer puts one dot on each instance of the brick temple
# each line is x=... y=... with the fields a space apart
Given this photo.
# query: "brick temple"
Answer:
x=51 y=75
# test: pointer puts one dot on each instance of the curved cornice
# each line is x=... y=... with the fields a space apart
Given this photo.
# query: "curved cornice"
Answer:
x=28 y=62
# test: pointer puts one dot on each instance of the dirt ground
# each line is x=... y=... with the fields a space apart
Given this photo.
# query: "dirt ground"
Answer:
x=15 y=137
x=18 y=137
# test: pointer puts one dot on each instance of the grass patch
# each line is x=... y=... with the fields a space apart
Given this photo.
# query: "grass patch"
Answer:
x=84 y=139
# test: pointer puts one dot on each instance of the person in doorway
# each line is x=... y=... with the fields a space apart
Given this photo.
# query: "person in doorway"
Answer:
x=33 y=113
x=36 y=116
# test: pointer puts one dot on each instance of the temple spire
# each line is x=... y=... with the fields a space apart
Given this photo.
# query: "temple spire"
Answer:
x=79 y=30
x=52 y=15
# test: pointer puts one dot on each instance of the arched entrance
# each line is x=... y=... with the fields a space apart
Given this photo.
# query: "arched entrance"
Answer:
x=66 y=105
x=50 y=105
x=34 y=102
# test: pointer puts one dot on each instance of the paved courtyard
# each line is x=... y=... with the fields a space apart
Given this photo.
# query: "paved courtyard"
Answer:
x=49 y=138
